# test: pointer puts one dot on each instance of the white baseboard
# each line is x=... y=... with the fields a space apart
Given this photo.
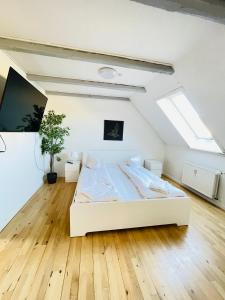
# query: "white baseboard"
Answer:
x=172 y=178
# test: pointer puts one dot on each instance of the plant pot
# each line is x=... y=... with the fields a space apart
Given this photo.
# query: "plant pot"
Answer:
x=52 y=177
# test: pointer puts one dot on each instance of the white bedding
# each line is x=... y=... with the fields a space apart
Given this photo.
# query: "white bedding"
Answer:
x=95 y=185
x=110 y=183
x=148 y=184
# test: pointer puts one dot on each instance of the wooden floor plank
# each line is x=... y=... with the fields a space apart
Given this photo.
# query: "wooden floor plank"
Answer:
x=101 y=280
x=38 y=259
x=72 y=273
x=86 y=280
x=124 y=253
x=117 y=288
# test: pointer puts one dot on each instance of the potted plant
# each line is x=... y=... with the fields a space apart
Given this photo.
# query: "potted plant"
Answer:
x=53 y=135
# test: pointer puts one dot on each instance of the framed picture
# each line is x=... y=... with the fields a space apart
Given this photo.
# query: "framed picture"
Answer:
x=113 y=130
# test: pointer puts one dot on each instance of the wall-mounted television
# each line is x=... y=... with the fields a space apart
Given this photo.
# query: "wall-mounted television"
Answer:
x=22 y=105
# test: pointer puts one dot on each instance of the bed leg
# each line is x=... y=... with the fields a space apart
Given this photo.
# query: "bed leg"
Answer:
x=181 y=224
x=78 y=234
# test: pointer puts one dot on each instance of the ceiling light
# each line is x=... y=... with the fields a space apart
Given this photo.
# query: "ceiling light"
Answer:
x=107 y=73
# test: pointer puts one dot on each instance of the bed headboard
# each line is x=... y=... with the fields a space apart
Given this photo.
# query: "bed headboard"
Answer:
x=110 y=156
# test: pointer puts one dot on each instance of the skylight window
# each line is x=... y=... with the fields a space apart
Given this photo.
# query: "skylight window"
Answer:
x=185 y=119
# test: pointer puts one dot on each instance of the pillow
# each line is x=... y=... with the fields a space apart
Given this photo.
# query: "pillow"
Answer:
x=92 y=163
x=134 y=161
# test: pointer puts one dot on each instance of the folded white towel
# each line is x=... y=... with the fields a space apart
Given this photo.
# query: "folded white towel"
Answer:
x=101 y=192
x=99 y=188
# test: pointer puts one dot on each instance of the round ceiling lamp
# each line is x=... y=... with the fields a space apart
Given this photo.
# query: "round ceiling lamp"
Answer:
x=107 y=73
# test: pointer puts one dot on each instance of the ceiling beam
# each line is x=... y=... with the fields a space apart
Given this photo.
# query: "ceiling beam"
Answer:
x=87 y=83
x=68 y=94
x=74 y=54
x=209 y=9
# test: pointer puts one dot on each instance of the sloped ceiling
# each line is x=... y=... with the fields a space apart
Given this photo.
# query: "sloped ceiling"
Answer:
x=146 y=104
x=194 y=46
x=201 y=73
x=119 y=27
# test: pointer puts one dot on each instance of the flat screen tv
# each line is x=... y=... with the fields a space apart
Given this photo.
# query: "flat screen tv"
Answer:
x=22 y=105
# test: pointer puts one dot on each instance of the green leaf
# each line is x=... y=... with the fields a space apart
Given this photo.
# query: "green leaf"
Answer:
x=53 y=133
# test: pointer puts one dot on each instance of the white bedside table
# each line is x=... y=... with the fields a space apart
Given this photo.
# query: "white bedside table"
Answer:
x=72 y=171
x=154 y=165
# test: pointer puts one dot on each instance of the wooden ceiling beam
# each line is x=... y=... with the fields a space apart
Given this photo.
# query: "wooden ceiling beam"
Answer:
x=90 y=96
x=80 y=55
x=87 y=83
x=209 y=9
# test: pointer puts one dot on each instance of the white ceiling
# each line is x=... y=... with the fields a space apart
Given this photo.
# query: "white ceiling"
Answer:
x=117 y=27
x=201 y=74
x=52 y=66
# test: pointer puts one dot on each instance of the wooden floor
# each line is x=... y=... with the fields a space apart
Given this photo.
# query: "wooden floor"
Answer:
x=38 y=260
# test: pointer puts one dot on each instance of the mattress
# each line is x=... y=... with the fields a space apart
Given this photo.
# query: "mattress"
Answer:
x=123 y=187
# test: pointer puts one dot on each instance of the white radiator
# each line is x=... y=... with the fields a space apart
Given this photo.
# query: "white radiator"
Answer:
x=201 y=179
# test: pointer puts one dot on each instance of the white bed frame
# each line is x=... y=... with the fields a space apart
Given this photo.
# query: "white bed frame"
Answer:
x=91 y=217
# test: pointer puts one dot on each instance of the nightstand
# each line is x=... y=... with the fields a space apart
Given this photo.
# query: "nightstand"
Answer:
x=154 y=165
x=72 y=171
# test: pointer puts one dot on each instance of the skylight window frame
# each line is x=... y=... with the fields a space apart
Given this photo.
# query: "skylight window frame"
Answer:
x=169 y=97
x=184 y=117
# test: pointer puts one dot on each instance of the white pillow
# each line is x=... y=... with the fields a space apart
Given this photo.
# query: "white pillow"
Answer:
x=92 y=163
x=134 y=161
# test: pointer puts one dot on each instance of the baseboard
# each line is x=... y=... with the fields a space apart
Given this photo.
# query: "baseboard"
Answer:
x=172 y=178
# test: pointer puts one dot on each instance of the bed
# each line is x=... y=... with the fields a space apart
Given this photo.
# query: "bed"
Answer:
x=126 y=206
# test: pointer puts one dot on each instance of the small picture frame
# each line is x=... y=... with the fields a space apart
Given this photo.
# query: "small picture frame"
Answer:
x=113 y=130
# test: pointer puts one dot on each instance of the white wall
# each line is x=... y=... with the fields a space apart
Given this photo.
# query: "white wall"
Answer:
x=86 y=118
x=19 y=175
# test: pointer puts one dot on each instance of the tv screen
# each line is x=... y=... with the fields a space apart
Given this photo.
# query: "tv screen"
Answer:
x=22 y=106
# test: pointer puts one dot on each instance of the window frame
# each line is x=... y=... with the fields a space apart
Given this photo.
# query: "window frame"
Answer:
x=169 y=96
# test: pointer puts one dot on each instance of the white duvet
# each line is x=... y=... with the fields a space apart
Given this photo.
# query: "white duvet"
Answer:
x=97 y=186
x=150 y=185
x=111 y=182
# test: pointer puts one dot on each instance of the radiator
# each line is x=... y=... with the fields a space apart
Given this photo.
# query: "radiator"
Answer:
x=201 y=179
